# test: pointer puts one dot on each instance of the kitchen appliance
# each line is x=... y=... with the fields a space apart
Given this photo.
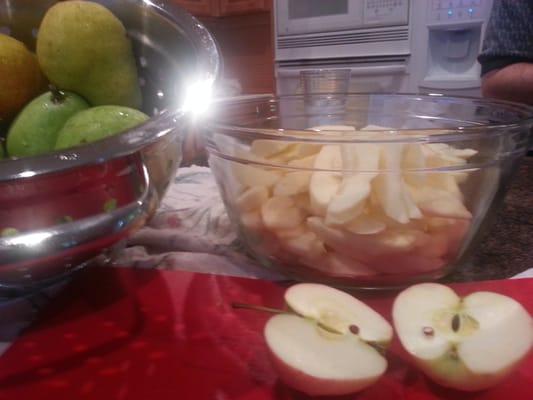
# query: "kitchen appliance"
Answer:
x=417 y=46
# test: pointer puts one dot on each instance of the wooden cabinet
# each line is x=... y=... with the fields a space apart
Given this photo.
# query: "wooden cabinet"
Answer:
x=243 y=31
x=202 y=8
x=233 y=7
x=224 y=8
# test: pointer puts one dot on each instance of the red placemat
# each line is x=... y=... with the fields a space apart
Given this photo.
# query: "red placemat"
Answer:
x=144 y=334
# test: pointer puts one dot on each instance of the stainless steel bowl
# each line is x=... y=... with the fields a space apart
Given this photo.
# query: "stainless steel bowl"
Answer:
x=71 y=206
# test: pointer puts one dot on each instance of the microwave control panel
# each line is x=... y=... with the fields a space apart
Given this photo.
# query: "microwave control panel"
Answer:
x=384 y=12
x=453 y=11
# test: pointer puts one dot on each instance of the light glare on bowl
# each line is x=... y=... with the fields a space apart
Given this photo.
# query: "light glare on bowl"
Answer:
x=198 y=96
x=30 y=239
x=27 y=174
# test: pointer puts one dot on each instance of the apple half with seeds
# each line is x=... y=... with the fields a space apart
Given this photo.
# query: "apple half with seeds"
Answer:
x=332 y=344
x=470 y=343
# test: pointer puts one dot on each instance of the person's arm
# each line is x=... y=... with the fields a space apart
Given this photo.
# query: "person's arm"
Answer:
x=513 y=82
x=507 y=56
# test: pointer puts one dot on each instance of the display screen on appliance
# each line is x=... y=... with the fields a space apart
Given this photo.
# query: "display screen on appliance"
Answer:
x=391 y=11
x=316 y=8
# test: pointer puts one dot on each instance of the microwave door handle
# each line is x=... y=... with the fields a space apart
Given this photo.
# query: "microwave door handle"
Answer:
x=358 y=71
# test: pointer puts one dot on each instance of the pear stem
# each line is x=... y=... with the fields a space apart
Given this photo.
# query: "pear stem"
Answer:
x=257 y=308
x=58 y=96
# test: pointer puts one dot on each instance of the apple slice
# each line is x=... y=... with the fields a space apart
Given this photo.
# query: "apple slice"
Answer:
x=293 y=183
x=445 y=181
x=332 y=347
x=252 y=220
x=366 y=224
x=304 y=245
x=268 y=148
x=252 y=199
x=324 y=185
x=390 y=187
x=362 y=160
x=296 y=151
x=469 y=343
x=435 y=202
x=350 y=200
x=340 y=265
x=250 y=176
x=365 y=247
x=280 y=212
x=413 y=159
x=306 y=162
x=292 y=232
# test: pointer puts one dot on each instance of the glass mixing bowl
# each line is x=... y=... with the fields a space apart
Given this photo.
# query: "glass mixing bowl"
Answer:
x=59 y=211
x=365 y=190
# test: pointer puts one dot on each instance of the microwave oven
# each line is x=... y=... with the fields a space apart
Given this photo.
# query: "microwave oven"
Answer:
x=417 y=46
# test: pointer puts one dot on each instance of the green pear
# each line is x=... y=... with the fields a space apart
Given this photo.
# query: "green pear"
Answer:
x=97 y=123
x=35 y=129
x=84 y=48
x=20 y=77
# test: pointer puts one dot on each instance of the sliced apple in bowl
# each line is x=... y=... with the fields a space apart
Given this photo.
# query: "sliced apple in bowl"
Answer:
x=470 y=343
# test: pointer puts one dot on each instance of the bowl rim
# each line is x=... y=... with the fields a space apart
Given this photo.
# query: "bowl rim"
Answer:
x=209 y=66
x=401 y=135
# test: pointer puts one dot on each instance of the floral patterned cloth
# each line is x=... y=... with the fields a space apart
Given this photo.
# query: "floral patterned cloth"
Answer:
x=192 y=231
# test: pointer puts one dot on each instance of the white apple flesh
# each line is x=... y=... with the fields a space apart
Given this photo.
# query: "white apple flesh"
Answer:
x=469 y=343
x=329 y=347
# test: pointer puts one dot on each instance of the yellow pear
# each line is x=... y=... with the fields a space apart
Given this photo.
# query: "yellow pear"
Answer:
x=20 y=77
x=82 y=47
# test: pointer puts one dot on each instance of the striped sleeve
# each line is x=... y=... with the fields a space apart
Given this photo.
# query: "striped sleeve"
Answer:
x=509 y=35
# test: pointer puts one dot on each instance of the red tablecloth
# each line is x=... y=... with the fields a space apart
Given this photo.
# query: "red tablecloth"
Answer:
x=145 y=334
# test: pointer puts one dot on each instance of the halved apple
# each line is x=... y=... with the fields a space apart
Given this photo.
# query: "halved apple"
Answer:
x=469 y=343
x=332 y=345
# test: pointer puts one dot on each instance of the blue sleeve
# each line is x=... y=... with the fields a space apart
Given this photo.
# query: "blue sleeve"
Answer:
x=509 y=35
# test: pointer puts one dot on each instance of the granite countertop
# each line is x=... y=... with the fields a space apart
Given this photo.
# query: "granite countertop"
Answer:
x=507 y=247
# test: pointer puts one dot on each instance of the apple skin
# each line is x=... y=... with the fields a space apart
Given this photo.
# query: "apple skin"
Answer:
x=314 y=386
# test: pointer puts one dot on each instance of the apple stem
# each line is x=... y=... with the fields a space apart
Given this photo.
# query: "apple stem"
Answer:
x=58 y=96
x=378 y=347
x=257 y=308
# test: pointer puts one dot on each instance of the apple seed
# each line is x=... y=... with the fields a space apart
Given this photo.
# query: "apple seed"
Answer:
x=456 y=322
x=354 y=329
x=428 y=331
